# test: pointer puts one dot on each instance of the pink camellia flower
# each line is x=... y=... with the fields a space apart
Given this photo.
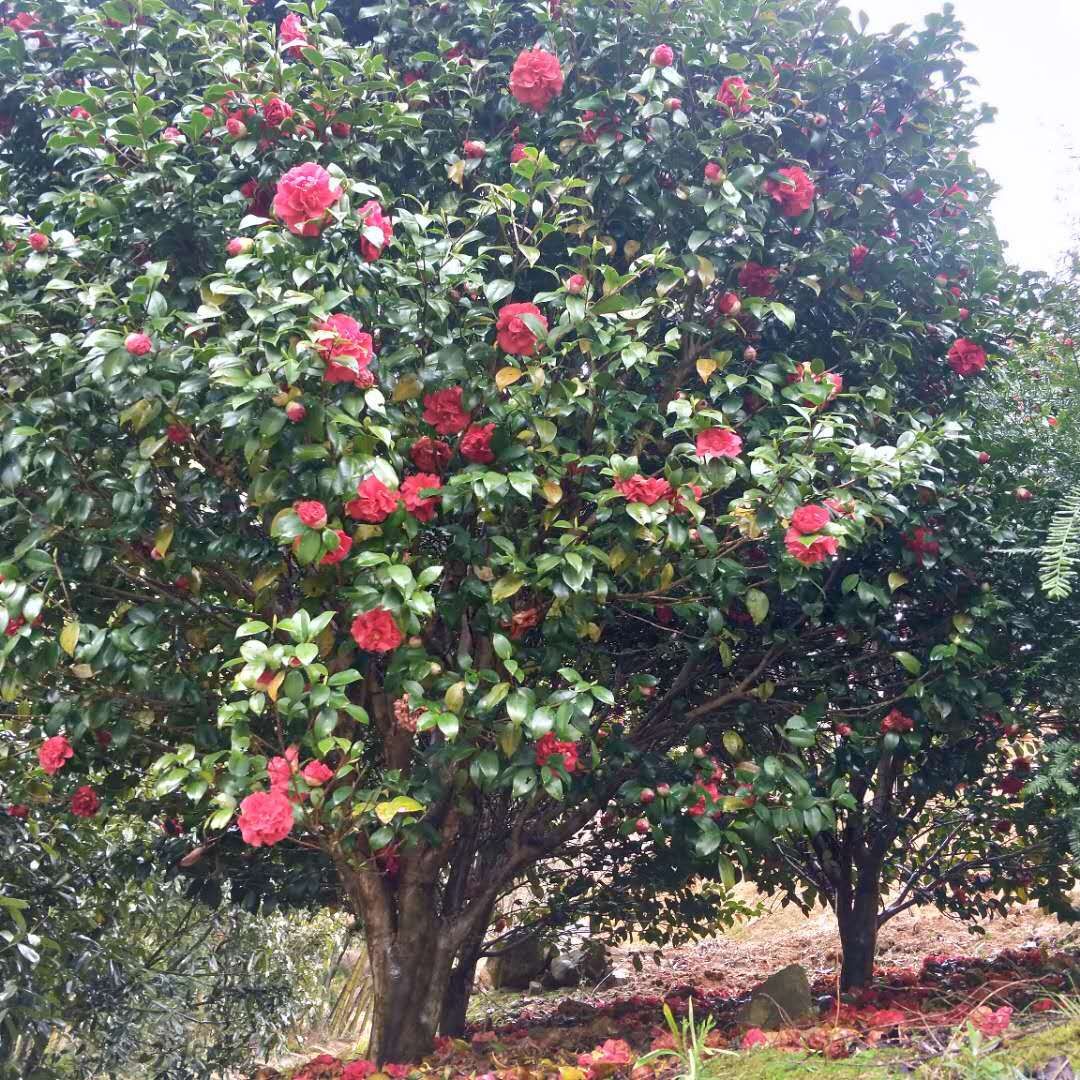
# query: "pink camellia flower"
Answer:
x=265 y=818
x=608 y=1058
x=717 y=443
x=239 y=245
x=641 y=489
x=758 y=280
x=662 y=56
x=423 y=509
x=317 y=774
x=443 y=411
x=280 y=769
x=276 y=112
x=38 y=241
x=374 y=501
x=79 y=113
x=430 y=455
x=138 y=344
x=754 y=1037
x=517 y=153
x=85 y=802
x=236 y=127
x=897 y=721
x=809 y=554
x=536 y=79
x=291 y=35
x=377 y=231
x=475 y=444
x=376 y=631
x=341 y=552
x=311 y=512
x=513 y=334
x=473 y=149
x=794 y=194
x=714 y=174
x=346 y=348
x=576 y=284
x=360 y=1069
x=734 y=94
x=966 y=358
x=810 y=519
x=857 y=258
x=173 y=135
x=303 y=199
x=54 y=753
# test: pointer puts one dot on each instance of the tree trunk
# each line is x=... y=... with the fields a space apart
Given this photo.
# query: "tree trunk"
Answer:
x=458 y=993
x=858 y=923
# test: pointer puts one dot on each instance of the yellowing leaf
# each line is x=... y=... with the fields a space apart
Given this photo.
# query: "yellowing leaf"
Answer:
x=505 y=587
x=568 y=1072
x=757 y=603
x=746 y=522
x=963 y=623
x=69 y=637
x=706 y=271
x=667 y=575
x=267 y=578
x=163 y=539
x=631 y=248
x=408 y=387
x=896 y=581
x=510 y=739
x=593 y=632
x=454 y=697
x=552 y=491
x=275 y=685
x=732 y=742
x=82 y=671
x=387 y=811
x=616 y=558
x=706 y=365
x=456 y=172
x=507 y=376
x=537 y=377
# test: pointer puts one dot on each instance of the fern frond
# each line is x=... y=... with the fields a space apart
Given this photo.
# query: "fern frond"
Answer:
x=1061 y=551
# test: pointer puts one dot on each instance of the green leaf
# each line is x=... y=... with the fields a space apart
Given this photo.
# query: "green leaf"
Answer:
x=757 y=603
x=506 y=587
x=909 y=662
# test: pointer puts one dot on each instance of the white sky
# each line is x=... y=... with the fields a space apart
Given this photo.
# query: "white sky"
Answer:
x=1028 y=67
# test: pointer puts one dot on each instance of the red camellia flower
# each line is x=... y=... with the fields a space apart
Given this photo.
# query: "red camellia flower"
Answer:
x=276 y=112
x=38 y=241
x=810 y=519
x=754 y=1037
x=897 y=721
x=54 y=753
x=376 y=631
x=717 y=443
x=316 y=773
x=18 y=810
x=430 y=455
x=549 y=746
x=374 y=501
x=966 y=358
x=536 y=79
x=422 y=509
x=857 y=258
x=177 y=433
x=346 y=348
x=138 y=344
x=809 y=554
x=311 y=512
x=303 y=199
x=662 y=56
x=794 y=194
x=758 y=280
x=922 y=544
x=280 y=769
x=734 y=94
x=714 y=174
x=647 y=490
x=79 y=113
x=85 y=802
x=1011 y=785
x=360 y=1069
x=443 y=411
x=372 y=221
x=265 y=818
x=473 y=149
x=517 y=153
x=339 y=553
x=291 y=35
x=729 y=304
x=475 y=444
x=512 y=332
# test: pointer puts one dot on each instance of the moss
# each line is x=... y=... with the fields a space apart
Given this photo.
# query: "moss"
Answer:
x=1035 y=1050
x=781 y=1065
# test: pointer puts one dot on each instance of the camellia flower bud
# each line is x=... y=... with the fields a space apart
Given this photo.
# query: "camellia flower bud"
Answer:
x=295 y=411
x=239 y=245
x=576 y=284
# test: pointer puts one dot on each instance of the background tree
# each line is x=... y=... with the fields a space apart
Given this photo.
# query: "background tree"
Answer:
x=416 y=447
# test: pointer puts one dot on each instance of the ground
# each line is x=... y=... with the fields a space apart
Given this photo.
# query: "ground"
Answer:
x=938 y=986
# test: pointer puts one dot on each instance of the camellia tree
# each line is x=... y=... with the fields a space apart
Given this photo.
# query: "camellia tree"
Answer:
x=430 y=441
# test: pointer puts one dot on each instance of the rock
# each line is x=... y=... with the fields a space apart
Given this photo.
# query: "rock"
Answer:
x=780 y=999
x=588 y=963
x=518 y=965
x=616 y=977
